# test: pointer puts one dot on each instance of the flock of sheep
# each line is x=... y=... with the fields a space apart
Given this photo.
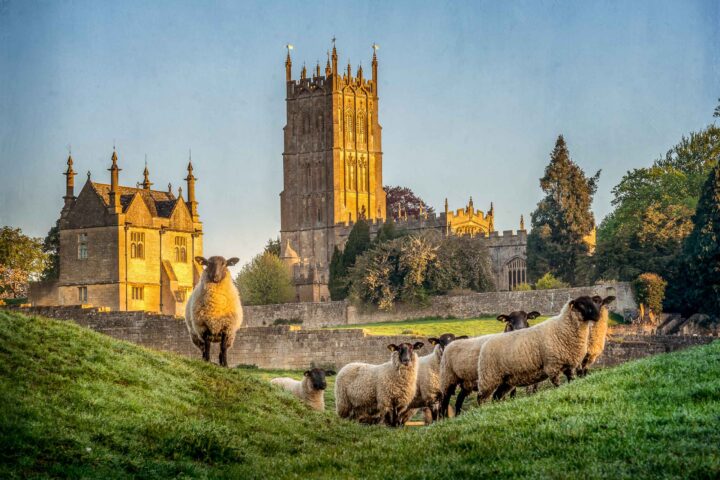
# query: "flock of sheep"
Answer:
x=391 y=393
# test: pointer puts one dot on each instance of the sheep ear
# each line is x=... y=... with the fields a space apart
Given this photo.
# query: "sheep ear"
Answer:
x=433 y=341
x=232 y=261
x=503 y=318
x=201 y=260
x=597 y=299
x=418 y=345
x=306 y=373
x=461 y=337
x=533 y=314
x=329 y=373
x=392 y=347
x=608 y=300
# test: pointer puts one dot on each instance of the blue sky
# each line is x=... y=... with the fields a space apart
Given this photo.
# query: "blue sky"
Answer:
x=472 y=96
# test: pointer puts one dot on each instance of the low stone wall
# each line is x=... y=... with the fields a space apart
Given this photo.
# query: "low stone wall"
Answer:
x=310 y=315
x=287 y=347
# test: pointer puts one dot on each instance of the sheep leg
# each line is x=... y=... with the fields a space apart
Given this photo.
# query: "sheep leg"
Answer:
x=555 y=379
x=569 y=373
x=484 y=394
x=502 y=390
x=513 y=392
x=460 y=399
x=429 y=415
x=445 y=404
x=223 y=350
x=206 y=346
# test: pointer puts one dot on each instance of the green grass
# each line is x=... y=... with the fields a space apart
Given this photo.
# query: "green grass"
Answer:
x=77 y=404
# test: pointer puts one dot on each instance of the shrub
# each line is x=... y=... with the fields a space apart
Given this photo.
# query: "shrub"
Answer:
x=522 y=287
x=264 y=280
x=649 y=291
x=548 y=282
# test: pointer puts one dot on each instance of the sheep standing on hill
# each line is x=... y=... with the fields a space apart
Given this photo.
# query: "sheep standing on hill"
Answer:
x=311 y=389
x=596 y=339
x=458 y=367
x=378 y=393
x=528 y=356
x=214 y=312
x=428 y=393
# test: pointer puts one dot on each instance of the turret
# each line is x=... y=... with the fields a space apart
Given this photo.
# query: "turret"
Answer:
x=360 y=73
x=317 y=69
x=522 y=222
x=146 y=184
x=375 y=66
x=328 y=69
x=303 y=73
x=288 y=65
x=114 y=194
x=191 y=202
x=69 y=184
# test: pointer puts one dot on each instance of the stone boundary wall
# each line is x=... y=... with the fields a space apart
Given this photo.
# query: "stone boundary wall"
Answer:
x=327 y=314
x=286 y=347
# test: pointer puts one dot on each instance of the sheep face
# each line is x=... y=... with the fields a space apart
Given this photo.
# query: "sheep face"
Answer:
x=405 y=351
x=216 y=267
x=317 y=377
x=444 y=340
x=587 y=307
x=517 y=320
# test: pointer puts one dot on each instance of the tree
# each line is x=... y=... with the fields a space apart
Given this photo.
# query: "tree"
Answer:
x=463 y=263
x=700 y=279
x=562 y=219
x=649 y=292
x=264 y=280
x=404 y=200
x=357 y=243
x=387 y=231
x=653 y=214
x=21 y=260
x=273 y=246
x=716 y=113
x=549 y=282
x=51 y=247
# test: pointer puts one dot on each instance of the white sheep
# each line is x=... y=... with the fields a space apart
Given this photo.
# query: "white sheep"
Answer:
x=596 y=338
x=310 y=390
x=378 y=393
x=458 y=367
x=214 y=312
x=428 y=392
x=528 y=356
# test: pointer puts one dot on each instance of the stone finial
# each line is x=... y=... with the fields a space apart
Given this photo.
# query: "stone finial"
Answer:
x=169 y=187
x=146 y=184
x=288 y=64
x=522 y=222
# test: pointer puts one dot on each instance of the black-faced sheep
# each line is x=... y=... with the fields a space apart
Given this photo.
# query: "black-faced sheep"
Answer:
x=531 y=355
x=428 y=393
x=458 y=367
x=596 y=339
x=378 y=393
x=214 y=312
x=310 y=390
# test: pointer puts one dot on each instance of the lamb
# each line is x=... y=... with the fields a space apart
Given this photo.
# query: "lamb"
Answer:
x=214 y=312
x=378 y=393
x=428 y=393
x=458 y=366
x=310 y=390
x=596 y=339
x=528 y=356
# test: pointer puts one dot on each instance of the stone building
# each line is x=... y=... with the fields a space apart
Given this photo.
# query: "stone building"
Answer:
x=125 y=248
x=332 y=171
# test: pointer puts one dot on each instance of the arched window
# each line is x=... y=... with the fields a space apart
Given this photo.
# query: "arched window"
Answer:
x=177 y=254
x=517 y=272
x=140 y=252
x=133 y=250
x=361 y=128
x=137 y=242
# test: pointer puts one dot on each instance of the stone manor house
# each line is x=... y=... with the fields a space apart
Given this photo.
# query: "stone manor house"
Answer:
x=125 y=248
x=332 y=171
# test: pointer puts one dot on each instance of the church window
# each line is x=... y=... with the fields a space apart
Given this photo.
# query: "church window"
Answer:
x=137 y=245
x=82 y=294
x=181 y=249
x=82 y=246
x=516 y=272
x=306 y=123
x=308 y=178
x=361 y=128
x=138 y=292
x=349 y=126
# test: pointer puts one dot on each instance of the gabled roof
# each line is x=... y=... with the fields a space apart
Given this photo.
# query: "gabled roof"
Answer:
x=160 y=204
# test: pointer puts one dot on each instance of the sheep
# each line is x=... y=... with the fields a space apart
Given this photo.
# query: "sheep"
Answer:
x=428 y=393
x=458 y=366
x=378 y=393
x=214 y=311
x=310 y=390
x=596 y=339
x=528 y=356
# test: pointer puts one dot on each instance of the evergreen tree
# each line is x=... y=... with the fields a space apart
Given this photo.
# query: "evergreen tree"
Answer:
x=562 y=219
x=387 y=232
x=51 y=247
x=701 y=252
x=336 y=283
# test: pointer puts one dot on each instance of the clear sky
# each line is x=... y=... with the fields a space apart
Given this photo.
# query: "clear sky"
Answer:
x=472 y=96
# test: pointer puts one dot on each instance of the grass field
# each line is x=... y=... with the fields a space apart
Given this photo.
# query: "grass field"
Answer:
x=77 y=404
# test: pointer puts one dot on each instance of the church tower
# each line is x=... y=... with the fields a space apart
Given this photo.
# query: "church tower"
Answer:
x=332 y=165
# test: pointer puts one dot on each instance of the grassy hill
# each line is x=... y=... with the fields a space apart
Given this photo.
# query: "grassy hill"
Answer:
x=78 y=404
